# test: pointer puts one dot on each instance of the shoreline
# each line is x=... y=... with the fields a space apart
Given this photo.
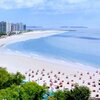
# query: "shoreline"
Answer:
x=45 y=58
x=25 y=64
x=40 y=57
x=31 y=35
x=53 y=60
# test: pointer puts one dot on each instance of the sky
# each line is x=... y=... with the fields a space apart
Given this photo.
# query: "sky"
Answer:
x=51 y=13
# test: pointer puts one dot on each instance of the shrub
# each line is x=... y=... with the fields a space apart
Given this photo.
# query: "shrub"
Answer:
x=59 y=95
x=7 y=79
x=78 y=93
x=27 y=91
x=51 y=98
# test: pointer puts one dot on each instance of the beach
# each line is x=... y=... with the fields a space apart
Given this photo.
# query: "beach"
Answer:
x=56 y=74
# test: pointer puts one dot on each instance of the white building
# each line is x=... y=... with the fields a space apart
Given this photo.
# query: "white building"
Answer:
x=5 y=27
x=11 y=28
x=18 y=27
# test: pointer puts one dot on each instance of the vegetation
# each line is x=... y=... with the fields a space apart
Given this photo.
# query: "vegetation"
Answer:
x=7 y=79
x=11 y=88
x=78 y=93
x=27 y=91
x=1 y=34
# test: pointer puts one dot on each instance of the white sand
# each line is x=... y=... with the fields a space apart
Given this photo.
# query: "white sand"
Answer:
x=70 y=73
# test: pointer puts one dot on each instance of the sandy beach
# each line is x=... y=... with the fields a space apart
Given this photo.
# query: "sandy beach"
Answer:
x=54 y=73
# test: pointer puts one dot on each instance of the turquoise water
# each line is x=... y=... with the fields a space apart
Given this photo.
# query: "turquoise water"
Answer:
x=72 y=46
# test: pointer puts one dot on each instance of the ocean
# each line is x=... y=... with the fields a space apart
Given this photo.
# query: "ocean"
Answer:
x=80 y=47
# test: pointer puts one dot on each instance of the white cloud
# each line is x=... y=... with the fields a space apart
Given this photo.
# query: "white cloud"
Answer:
x=75 y=1
x=52 y=5
x=28 y=3
x=11 y=4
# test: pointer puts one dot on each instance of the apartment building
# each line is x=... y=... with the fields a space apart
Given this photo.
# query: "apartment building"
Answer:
x=8 y=28
x=5 y=27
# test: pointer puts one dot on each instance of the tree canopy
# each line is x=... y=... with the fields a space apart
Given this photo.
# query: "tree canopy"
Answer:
x=27 y=91
x=78 y=93
x=7 y=79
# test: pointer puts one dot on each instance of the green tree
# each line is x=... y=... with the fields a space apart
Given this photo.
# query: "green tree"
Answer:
x=7 y=79
x=32 y=91
x=59 y=95
x=4 y=77
x=78 y=93
x=18 y=78
x=27 y=91
x=81 y=93
x=10 y=93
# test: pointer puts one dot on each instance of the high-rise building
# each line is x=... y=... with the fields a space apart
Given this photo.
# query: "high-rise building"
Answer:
x=24 y=27
x=5 y=27
x=13 y=27
x=18 y=27
x=8 y=28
